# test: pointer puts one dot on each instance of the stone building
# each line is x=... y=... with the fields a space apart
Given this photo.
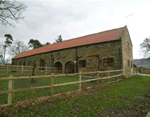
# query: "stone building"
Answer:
x=107 y=50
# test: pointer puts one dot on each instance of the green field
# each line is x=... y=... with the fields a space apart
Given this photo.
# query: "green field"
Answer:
x=26 y=83
x=129 y=97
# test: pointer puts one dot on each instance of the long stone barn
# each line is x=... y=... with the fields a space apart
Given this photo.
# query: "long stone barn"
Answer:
x=107 y=50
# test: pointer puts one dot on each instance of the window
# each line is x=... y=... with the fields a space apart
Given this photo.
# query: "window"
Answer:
x=131 y=64
x=58 y=56
x=82 y=63
x=108 y=62
x=128 y=63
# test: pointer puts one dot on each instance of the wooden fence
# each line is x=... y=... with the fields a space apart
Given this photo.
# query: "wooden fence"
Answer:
x=99 y=77
x=24 y=69
x=144 y=70
x=141 y=70
x=135 y=70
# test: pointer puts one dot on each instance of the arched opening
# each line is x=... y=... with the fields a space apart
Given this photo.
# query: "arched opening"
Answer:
x=58 y=66
x=69 y=67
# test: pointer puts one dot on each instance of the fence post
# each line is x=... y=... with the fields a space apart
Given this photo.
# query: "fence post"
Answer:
x=52 y=84
x=98 y=77
x=54 y=70
x=7 y=69
x=22 y=69
x=10 y=87
x=46 y=69
x=80 y=79
x=117 y=74
x=108 y=78
x=17 y=67
x=141 y=70
x=33 y=94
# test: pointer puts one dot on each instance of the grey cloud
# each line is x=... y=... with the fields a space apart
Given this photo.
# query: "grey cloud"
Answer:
x=45 y=20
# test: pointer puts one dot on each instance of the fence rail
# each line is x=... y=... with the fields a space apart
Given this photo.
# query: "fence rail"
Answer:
x=10 y=90
x=135 y=70
x=23 y=69
x=143 y=70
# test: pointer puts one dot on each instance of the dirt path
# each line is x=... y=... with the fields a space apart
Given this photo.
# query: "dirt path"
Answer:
x=143 y=74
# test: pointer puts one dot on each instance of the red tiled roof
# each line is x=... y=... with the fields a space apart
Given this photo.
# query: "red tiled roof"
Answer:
x=109 y=35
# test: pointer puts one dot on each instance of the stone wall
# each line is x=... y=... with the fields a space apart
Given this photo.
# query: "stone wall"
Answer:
x=127 y=54
x=92 y=54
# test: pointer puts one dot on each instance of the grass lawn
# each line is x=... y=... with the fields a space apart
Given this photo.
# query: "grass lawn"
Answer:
x=26 y=83
x=127 y=98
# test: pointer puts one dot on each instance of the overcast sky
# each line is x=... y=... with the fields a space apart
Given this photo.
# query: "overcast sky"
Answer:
x=46 y=20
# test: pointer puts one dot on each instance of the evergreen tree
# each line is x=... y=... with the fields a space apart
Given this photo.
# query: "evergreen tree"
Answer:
x=59 y=39
x=34 y=44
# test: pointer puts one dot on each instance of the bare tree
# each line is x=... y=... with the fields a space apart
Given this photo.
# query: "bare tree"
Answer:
x=11 y=11
x=18 y=47
x=145 y=48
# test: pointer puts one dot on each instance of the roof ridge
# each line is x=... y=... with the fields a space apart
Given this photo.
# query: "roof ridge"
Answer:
x=90 y=34
x=76 y=38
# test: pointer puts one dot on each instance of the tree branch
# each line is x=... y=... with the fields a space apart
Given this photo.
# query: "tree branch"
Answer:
x=11 y=10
